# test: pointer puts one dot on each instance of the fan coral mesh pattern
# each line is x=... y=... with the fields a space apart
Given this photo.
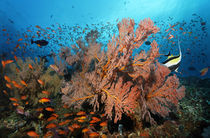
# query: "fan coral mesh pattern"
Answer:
x=117 y=79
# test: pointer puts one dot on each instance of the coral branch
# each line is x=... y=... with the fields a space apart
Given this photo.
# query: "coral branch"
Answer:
x=118 y=79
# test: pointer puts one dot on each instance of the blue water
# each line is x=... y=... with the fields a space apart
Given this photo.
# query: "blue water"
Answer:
x=63 y=22
x=18 y=16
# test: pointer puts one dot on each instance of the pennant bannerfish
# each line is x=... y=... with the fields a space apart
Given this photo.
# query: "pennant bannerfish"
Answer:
x=172 y=61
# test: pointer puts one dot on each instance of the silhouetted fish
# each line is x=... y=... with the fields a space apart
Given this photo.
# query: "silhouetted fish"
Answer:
x=147 y=42
x=11 y=21
x=40 y=42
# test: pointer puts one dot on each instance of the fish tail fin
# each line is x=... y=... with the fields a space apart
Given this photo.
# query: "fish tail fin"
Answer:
x=180 y=52
x=32 y=41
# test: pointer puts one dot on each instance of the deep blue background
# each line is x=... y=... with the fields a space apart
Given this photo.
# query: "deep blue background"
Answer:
x=17 y=15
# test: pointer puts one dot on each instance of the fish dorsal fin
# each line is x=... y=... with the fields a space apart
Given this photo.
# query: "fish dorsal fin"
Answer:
x=180 y=52
x=169 y=53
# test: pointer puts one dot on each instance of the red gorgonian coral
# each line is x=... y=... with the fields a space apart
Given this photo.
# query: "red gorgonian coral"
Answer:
x=120 y=80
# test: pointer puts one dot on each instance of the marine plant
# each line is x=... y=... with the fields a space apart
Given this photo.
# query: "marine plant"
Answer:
x=117 y=81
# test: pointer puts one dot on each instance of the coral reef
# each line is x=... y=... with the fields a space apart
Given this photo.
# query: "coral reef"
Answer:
x=107 y=91
x=117 y=79
x=25 y=77
x=33 y=91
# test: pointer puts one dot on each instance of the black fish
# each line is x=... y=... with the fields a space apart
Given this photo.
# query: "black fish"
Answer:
x=40 y=42
x=147 y=42
x=11 y=21
x=203 y=23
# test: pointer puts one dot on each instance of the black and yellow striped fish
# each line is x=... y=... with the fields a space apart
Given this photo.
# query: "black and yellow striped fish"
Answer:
x=172 y=61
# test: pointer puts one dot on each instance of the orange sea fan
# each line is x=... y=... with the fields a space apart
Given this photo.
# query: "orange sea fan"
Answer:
x=122 y=98
x=117 y=79
x=164 y=92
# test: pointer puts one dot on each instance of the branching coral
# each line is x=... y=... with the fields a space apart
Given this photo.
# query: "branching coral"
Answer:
x=25 y=76
x=160 y=93
x=120 y=80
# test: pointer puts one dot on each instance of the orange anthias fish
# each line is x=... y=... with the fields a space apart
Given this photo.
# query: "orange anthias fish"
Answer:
x=37 y=26
x=96 y=119
x=13 y=99
x=65 y=106
x=15 y=57
x=76 y=118
x=103 y=124
x=62 y=132
x=40 y=82
x=94 y=134
x=51 y=118
x=9 y=85
x=67 y=114
x=32 y=134
x=64 y=122
x=49 y=109
x=4 y=63
x=5 y=92
x=81 y=120
x=76 y=126
x=16 y=85
x=54 y=114
x=14 y=82
x=46 y=92
x=93 y=121
x=170 y=36
x=7 y=78
x=204 y=71
x=18 y=45
x=15 y=104
x=103 y=115
x=81 y=113
x=92 y=113
x=184 y=33
x=82 y=117
x=24 y=97
x=44 y=100
x=85 y=130
x=39 y=109
x=171 y=27
x=48 y=134
x=20 y=39
x=30 y=66
x=24 y=83
x=51 y=125
x=71 y=128
x=180 y=28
